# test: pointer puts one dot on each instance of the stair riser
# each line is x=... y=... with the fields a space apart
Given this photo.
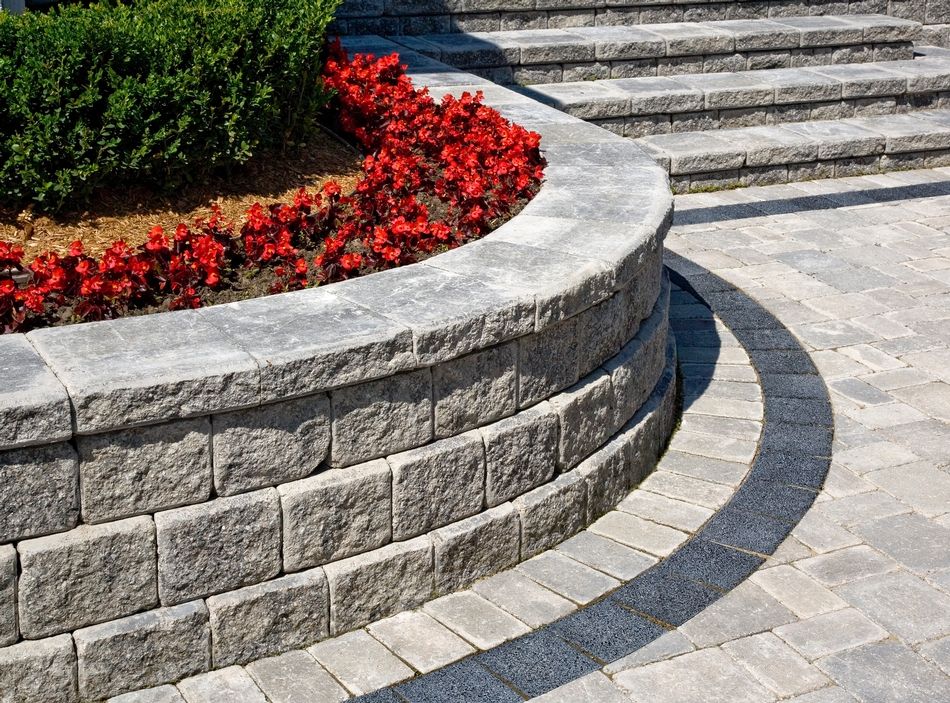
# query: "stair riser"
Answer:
x=667 y=123
x=534 y=74
x=807 y=171
x=409 y=19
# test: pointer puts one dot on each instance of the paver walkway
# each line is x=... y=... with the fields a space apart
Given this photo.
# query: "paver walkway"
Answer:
x=855 y=605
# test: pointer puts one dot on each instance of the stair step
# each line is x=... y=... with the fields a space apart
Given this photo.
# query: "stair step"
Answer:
x=802 y=151
x=588 y=53
x=413 y=17
x=637 y=107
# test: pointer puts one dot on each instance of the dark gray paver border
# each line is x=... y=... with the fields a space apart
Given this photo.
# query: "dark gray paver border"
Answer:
x=786 y=475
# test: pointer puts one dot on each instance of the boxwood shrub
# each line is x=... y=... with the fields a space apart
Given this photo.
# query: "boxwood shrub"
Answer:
x=151 y=91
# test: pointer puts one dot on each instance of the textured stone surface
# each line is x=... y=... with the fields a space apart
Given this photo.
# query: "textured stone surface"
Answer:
x=584 y=411
x=273 y=444
x=385 y=581
x=88 y=575
x=551 y=513
x=158 y=694
x=43 y=671
x=218 y=546
x=336 y=514
x=8 y=576
x=115 y=379
x=360 y=662
x=475 y=389
x=420 y=640
x=39 y=487
x=34 y=406
x=142 y=651
x=437 y=484
x=268 y=618
x=474 y=618
x=231 y=685
x=520 y=453
x=381 y=417
x=476 y=547
x=144 y=469
x=547 y=362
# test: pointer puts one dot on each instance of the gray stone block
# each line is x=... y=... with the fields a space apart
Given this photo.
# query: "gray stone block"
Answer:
x=907 y=133
x=9 y=632
x=312 y=340
x=86 y=576
x=839 y=139
x=825 y=31
x=548 y=362
x=143 y=651
x=635 y=370
x=157 y=694
x=475 y=389
x=584 y=100
x=218 y=546
x=381 y=417
x=269 y=618
x=730 y=90
x=271 y=444
x=759 y=34
x=552 y=513
x=40 y=491
x=520 y=453
x=863 y=81
x=608 y=477
x=615 y=43
x=796 y=85
x=693 y=40
x=585 y=413
x=696 y=152
x=144 y=469
x=116 y=379
x=476 y=547
x=769 y=146
x=336 y=514
x=437 y=484
x=34 y=406
x=295 y=677
x=372 y=586
x=39 y=672
x=449 y=314
x=603 y=330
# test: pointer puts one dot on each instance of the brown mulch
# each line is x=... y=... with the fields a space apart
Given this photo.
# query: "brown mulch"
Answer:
x=129 y=213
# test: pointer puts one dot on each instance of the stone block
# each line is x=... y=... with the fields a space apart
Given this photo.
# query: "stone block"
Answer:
x=34 y=406
x=650 y=96
x=372 y=586
x=476 y=547
x=635 y=370
x=269 y=618
x=602 y=329
x=360 y=662
x=313 y=340
x=9 y=632
x=336 y=514
x=218 y=546
x=231 y=685
x=795 y=85
x=144 y=469
x=449 y=314
x=552 y=513
x=158 y=694
x=295 y=677
x=585 y=413
x=86 y=576
x=684 y=39
x=520 y=453
x=115 y=379
x=381 y=417
x=438 y=484
x=39 y=486
x=271 y=444
x=143 y=651
x=607 y=474
x=474 y=390
x=39 y=672
x=840 y=139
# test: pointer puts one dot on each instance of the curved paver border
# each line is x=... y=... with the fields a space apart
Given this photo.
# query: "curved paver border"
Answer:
x=789 y=468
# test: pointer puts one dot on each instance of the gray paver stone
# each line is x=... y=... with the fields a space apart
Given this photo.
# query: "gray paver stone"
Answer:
x=231 y=685
x=144 y=469
x=42 y=671
x=336 y=514
x=831 y=632
x=476 y=547
x=551 y=513
x=40 y=490
x=360 y=662
x=474 y=390
x=86 y=576
x=585 y=413
x=218 y=546
x=887 y=671
x=269 y=445
x=159 y=694
x=567 y=577
x=520 y=453
x=745 y=610
x=34 y=406
x=420 y=640
x=295 y=676
x=525 y=599
x=483 y=624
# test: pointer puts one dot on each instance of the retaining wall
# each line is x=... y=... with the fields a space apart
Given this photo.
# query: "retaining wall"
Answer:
x=190 y=490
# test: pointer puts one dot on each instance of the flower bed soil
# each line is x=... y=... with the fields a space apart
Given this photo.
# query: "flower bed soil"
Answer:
x=435 y=175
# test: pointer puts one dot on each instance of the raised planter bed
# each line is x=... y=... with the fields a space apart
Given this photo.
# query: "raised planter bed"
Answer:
x=325 y=457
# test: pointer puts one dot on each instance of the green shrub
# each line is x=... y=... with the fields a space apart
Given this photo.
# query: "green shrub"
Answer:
x=151 y=91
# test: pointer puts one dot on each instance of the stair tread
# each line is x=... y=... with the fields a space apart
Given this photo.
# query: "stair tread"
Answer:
x=540 y=46
x=801 y=142
x=779 y=86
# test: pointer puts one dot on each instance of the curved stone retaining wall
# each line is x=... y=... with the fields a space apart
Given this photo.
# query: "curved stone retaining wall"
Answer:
x=189 y=490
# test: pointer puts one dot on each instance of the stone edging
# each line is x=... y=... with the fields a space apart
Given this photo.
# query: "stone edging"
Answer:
x=142 y=436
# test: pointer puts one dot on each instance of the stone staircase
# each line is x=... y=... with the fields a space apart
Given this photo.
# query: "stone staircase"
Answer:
x=789 y=97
